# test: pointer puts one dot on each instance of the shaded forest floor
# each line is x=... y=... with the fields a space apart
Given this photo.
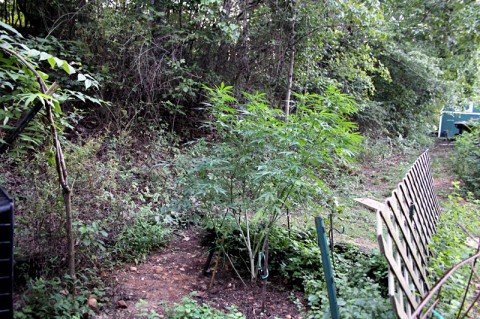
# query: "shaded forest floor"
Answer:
x=168 y=276
x=177 y=271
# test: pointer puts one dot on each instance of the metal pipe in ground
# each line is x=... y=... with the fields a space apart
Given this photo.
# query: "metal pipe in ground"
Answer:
x=327 y=267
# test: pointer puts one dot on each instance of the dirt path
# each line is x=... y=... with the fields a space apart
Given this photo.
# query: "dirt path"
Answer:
x=443 y=174
x=168 y=276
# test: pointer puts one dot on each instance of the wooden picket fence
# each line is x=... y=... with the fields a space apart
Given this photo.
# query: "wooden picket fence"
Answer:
x=406 y=223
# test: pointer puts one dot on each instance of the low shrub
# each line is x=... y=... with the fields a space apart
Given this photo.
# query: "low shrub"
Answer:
x=467 y=165
x=261 y=165
x=360 y=276
x=143 y=234
x=51 y=298
x=458 y=223
x=191 y=309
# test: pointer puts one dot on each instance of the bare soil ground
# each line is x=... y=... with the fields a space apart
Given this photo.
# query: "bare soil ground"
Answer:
x=169 y=275
x=443 y=175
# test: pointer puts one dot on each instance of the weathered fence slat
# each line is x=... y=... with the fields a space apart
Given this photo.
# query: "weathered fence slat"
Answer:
x=406 y=223
x=414 y=222
x=403 y=247
x=411 y=222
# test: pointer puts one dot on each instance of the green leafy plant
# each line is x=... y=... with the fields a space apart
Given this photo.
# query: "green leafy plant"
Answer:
x=455 y=239
x=92 y=246
x=51 y=298
x=144 y=312
x=264 y=165
x=138 y=238
x=191 y=309
x=360 y=276
x=467 y=154
x=22 y=70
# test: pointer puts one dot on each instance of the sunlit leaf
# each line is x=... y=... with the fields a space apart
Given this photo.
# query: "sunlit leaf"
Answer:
x=43 y=75
x=51 y=61
x=59 y=62
x=11 y=29
x=33 y=53
x=5 y=83
x=30 y=99
x=56 y=107
x=68 y=68
x=45 y=56
x=88 y=83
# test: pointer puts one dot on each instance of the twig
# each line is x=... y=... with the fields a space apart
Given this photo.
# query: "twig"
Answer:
x=235 y=269
x=217 y=261
x=265 y=275
x=471 y=305
x=439 y=284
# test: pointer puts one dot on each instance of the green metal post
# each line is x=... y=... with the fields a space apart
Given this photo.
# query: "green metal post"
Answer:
x=327 y=267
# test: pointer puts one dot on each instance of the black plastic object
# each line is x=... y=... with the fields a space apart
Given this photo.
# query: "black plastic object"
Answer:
x=6 y=256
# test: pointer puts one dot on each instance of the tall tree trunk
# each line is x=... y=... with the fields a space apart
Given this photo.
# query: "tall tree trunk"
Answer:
x=290 y=82
x=291 y=45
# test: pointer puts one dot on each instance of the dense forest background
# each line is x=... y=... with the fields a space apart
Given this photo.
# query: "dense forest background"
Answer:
x=401 y=61
x=229 y=112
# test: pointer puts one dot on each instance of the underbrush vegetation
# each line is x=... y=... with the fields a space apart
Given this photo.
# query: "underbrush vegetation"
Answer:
x=295 y=259
x=360 y=276
x=120 y=199
x=51 y=298
x=126 y=205
x=191 y=309
x=100 y=179
x=467 y=165
x=456 y=239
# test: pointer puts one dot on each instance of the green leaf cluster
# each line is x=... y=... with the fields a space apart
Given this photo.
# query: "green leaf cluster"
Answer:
x=50 y=298
x=20 y=64
x=360 y=276
x=189 y=308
